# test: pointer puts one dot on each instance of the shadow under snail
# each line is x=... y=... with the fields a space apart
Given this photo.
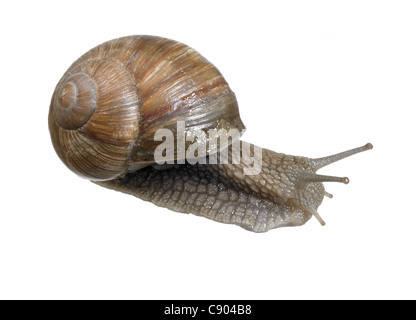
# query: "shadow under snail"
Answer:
x=110 y=104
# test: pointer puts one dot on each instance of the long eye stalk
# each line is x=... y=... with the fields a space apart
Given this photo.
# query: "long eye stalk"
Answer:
x=319 y=163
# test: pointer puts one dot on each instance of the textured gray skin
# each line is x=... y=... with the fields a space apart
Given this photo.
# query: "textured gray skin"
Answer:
x=276 y=197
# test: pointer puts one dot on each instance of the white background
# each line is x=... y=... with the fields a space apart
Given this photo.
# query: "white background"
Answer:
x=312 y=78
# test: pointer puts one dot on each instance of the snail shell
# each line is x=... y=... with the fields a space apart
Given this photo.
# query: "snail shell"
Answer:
x=109 y=104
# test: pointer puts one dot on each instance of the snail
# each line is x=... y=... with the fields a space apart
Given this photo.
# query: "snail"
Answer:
x=108 y=110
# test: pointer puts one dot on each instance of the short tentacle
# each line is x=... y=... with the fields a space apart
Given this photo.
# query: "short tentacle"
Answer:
x=317 y=216
x=329 y=195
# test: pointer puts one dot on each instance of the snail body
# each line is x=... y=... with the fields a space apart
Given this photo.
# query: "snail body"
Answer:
x=112 y=101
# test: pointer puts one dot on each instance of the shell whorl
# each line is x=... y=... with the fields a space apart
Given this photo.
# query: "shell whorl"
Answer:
x=108 y=105
x=94 y=119
x=75 y=101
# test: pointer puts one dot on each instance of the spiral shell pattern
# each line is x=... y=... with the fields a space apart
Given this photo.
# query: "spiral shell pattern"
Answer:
x=111 y=101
